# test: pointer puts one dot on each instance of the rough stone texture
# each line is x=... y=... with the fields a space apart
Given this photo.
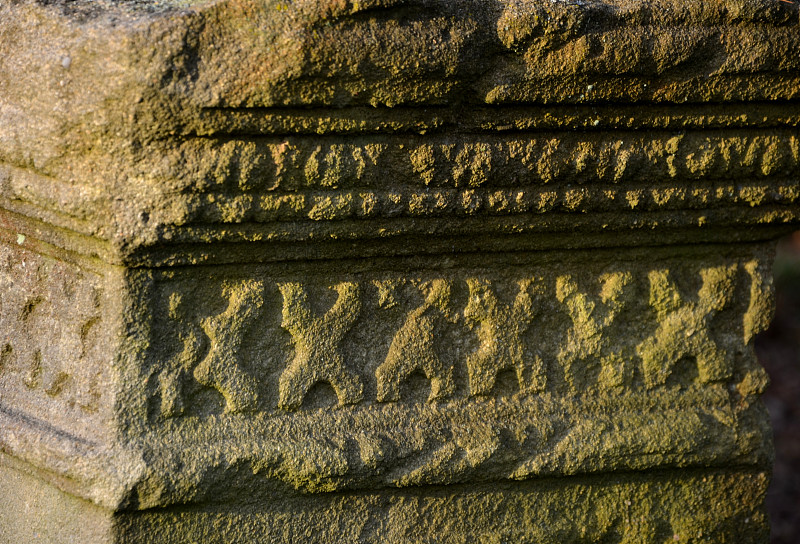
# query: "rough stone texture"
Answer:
x=390 y=270
x=625 y=508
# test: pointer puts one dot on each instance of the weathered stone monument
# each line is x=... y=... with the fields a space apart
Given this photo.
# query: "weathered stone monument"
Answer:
x=390 y=270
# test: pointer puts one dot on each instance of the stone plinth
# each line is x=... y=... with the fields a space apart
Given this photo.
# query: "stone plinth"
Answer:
x=390 y=271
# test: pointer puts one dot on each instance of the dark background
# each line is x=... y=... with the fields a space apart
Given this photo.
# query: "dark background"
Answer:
x=779 y=351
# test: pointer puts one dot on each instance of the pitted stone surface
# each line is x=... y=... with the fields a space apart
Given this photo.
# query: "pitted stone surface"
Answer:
x=271 y=267
x=261 y=121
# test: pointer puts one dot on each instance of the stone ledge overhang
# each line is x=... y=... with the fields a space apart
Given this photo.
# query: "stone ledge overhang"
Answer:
x=173 y=133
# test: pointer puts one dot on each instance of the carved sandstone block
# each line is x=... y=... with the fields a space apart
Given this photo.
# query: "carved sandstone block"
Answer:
x=428 y=271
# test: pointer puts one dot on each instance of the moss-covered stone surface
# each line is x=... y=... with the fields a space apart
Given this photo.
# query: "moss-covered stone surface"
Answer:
x=697 y=506
x=335 y=271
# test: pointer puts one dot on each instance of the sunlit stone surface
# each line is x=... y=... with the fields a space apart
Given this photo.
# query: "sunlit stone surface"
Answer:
x=390 y=271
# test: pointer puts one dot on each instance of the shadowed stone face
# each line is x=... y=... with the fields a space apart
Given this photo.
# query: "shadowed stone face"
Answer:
x=371 y=271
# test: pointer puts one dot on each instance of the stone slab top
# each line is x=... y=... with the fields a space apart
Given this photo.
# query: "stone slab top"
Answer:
x=174 y=132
